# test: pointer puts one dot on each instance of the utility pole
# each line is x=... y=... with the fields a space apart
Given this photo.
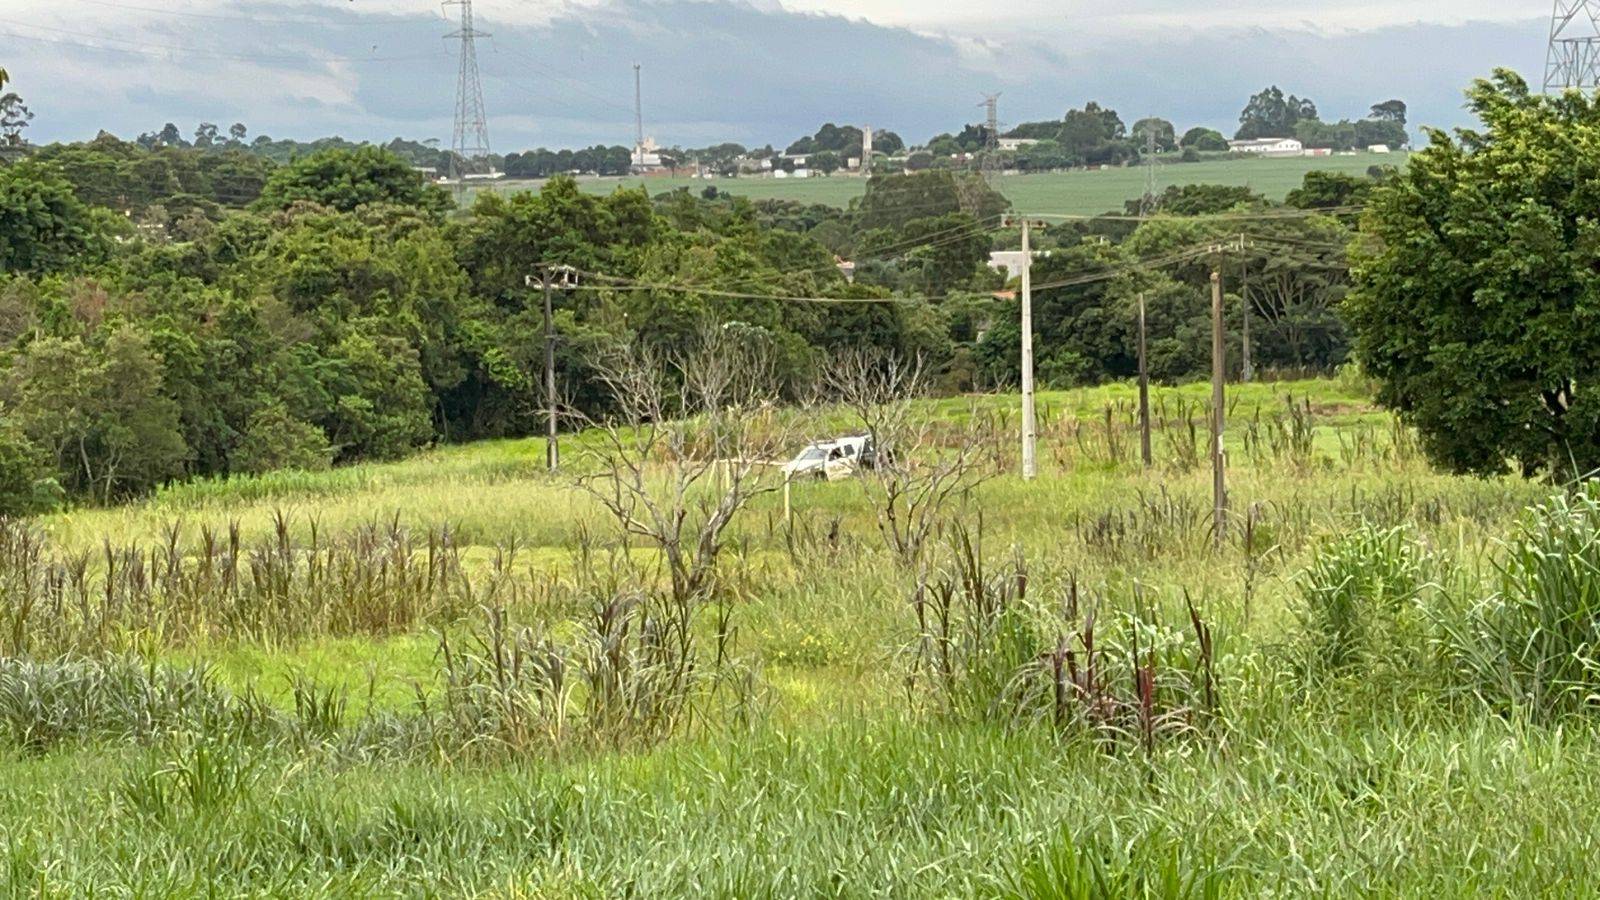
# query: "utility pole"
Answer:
x=1219 y=359
x=1247 y=370
x=1030 y=425
x=1148 y=206
x=1144 y=391
x=552 y=448
x=547 y=280
x=1573 y=60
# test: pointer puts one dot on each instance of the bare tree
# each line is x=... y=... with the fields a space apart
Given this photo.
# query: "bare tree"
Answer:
x=922 y=462
x=689 y=447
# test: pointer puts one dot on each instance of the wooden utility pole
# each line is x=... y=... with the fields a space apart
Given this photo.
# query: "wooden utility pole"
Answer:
x=552 y=449
x=1248 y=370
x=1030 y=424
x=1144 y=390
x=1219 y=359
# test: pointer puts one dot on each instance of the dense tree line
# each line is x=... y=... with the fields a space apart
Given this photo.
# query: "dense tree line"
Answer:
x=170 y=312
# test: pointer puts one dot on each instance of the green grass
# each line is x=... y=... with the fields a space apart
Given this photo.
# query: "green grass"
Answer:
x=821 y=768
x=1070 y=193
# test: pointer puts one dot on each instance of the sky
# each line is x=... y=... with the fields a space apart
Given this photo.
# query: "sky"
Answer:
x=558 y=73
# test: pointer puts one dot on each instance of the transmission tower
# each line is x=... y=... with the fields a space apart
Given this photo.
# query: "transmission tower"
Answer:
x=472 y=123
x=1574 y=56
x=989 y=157
x=991 y=132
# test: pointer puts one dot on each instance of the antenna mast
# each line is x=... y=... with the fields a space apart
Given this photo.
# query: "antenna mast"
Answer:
x=638 y=115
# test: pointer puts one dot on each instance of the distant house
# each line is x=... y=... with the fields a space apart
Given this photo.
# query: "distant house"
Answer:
x=1269 y=147
x=1014 y=144
x=1378 y=148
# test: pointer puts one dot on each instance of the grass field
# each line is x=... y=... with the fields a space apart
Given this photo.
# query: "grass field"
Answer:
x=450 y=676
x=1069 y=193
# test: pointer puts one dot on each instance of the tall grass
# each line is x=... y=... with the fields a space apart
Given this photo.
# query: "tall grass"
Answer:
x=1533 y=645
x=380 y=578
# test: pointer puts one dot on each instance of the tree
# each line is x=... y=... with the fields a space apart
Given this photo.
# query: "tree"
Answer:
x=1330 y=190
x=1094 y=135
x=348 y=179
x=14 y=118
x=1271 y=114
x=1475 y=285
x=44 y=228
x=27 y=486
x=170 y=137
x=895 y=201
x=827 y=162
x=1165 y=134
x=275 y=440
x=1206 y=140
x=238 y=133
x=1385 y=132
x=98 y=410
x=1390 y=111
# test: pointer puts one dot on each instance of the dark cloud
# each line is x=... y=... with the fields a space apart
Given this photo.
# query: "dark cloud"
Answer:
x=714 y=71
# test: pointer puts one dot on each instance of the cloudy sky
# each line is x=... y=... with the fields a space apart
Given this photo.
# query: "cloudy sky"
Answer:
x=559 y=72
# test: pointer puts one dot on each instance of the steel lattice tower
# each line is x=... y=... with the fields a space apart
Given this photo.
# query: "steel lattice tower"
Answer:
x=1574 y=56
x=472 y=123
x=991 y=136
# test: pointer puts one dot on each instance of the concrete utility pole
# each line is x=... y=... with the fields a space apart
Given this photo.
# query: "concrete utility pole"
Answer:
x=1148 y=206
x=1144 y=391
x=548 y=280
x=1030 y=424
x=1219 y=361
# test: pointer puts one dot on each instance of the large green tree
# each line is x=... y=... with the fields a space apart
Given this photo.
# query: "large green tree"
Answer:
x=1477 y=285
x=348 y=179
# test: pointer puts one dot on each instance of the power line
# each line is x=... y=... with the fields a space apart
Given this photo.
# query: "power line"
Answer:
x=168 y=51
x=245 y=17
x=1286 y=214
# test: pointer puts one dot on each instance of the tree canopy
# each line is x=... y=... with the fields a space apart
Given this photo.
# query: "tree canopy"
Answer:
x=1475 y=293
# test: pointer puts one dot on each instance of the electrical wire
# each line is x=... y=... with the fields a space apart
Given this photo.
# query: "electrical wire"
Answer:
x=244 y=17
x=141 y=48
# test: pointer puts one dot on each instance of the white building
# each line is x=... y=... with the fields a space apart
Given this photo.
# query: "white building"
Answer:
x=1010 y=261
x=1015 y=144
x=647 y=156
x=1378 y=148
x=1269 y=147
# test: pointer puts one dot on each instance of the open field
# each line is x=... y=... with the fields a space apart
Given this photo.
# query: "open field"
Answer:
x=1292 y=712
x=1070 y=193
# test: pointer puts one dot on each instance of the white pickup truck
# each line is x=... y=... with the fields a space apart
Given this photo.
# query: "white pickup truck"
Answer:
x=833 y=460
